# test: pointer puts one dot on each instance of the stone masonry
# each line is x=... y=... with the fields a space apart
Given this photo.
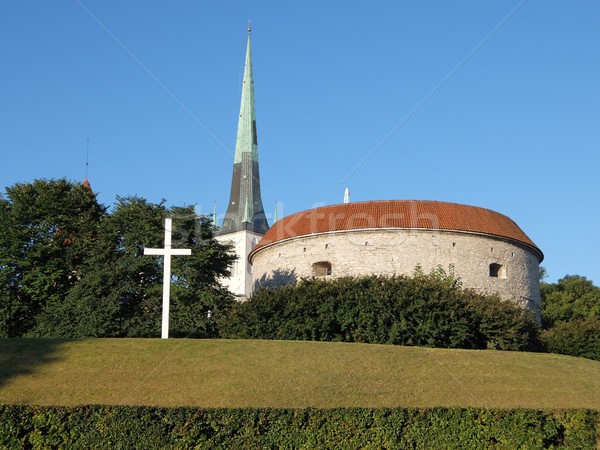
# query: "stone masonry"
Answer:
x=484 y=263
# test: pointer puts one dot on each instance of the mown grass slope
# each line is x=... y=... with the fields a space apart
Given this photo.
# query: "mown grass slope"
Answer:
x=281 y=374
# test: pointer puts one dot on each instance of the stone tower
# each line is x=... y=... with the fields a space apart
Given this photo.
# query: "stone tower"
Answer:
x=245 y=222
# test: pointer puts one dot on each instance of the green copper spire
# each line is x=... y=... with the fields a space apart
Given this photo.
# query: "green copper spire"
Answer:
x=247 y=139
x=245 y=209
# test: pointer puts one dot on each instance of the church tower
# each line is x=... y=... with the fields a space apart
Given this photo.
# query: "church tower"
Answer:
x=245 y=222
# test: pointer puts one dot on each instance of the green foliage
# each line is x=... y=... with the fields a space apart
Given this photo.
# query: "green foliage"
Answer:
x=572 y=298
x=504 y=325
x=46 y=232
x=579 y=337
x=424 y=310
x=69 y=269
x=571 y=317
x=123 y=427
x=120 y=292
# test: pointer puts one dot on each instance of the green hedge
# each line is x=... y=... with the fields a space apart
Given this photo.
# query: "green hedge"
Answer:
x=426 y=310
x=128 y=427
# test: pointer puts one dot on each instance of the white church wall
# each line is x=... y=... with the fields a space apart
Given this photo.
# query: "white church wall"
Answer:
x=484 y=263
x=240 y=281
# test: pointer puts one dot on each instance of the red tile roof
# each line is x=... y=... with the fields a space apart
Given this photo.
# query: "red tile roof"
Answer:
x=403 y=214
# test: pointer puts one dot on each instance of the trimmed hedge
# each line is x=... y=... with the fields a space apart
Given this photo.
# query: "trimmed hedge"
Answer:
x=131 y=427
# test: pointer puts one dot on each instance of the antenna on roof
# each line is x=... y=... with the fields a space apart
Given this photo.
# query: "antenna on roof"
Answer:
x=86 y=182
x=87 y=158
x=214 y=216
x=347 y=196
x=276 y=218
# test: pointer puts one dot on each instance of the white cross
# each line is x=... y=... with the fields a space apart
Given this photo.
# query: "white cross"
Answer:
x=167 y=252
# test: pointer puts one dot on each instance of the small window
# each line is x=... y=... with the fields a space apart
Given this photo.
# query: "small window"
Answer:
x=497 y=270
x=321 y=269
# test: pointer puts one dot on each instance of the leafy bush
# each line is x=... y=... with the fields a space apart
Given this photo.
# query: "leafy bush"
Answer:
x=424 y=310
x=575 y=338
x=504 y=325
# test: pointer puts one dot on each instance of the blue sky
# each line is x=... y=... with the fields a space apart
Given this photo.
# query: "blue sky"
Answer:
x=493 y=104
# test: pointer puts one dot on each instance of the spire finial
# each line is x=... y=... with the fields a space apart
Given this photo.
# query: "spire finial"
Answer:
x=214 y=217
x=249 y=26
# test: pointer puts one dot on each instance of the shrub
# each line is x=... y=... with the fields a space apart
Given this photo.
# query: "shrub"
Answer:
x=423 y=310
x=575 y=338
x=504 y=325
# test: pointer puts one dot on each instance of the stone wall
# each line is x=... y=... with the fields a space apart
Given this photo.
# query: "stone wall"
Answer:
x=515 y=274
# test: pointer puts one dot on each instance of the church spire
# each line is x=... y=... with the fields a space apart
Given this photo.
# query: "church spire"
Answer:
x=245 y=209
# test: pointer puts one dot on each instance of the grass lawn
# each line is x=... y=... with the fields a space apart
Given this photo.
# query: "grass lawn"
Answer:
x=251 y=373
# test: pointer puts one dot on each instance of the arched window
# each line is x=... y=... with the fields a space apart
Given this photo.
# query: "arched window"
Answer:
x=497 y=270
x=321 y=269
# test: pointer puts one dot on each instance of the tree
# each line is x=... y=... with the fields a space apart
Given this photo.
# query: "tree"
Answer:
x=197 y=287
x=572 y=298
x=571 y=317
x=47 y=229
x=120 y=291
